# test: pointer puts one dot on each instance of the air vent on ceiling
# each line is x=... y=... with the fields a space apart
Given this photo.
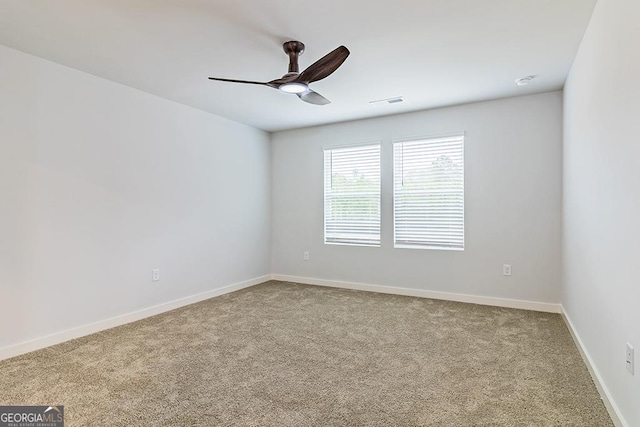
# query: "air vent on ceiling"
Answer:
x=395 y=100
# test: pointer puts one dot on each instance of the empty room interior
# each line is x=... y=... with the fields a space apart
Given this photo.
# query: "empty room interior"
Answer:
x=278 y=213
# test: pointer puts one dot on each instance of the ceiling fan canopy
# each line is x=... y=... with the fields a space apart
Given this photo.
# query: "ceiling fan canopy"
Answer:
x=298 y=82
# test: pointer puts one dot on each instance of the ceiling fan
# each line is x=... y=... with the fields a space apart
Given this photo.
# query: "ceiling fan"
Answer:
x=298 y=83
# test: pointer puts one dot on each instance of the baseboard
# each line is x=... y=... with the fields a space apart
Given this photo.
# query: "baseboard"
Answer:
x=448 y=296
x=609 y=403
x=80 y=331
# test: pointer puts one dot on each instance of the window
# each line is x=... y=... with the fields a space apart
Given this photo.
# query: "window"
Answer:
x=352 y=196
x=428 y=197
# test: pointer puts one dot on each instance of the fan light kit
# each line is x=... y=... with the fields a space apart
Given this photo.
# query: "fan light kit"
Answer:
x=293 y=87
x=524 y=80
x=298 y=82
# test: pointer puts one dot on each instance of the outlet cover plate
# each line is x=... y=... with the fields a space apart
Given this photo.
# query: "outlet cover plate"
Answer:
x=506 y=269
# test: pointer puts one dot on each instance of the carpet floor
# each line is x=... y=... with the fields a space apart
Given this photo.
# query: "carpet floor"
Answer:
x=284 y=354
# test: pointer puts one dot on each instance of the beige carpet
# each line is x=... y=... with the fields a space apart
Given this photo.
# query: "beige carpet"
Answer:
x=281 y=354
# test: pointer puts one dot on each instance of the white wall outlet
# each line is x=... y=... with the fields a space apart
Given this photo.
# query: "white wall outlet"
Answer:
x=155 y=274
x=506 y=269
x=630 y=361
x=305 y=256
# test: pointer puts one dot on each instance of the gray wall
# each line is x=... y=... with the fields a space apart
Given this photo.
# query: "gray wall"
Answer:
x=101 y=183
x=512 y=202
x=601 y=249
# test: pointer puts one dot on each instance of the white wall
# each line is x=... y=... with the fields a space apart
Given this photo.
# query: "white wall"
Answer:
x=100 y=183
x=513 y=198
x=601 y=203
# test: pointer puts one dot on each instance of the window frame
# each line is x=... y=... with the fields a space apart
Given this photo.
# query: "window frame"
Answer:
x=332 y=148
x=461 y=135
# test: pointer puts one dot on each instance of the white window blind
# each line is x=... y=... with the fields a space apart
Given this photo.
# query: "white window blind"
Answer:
x=428 y=198
x=352 y=195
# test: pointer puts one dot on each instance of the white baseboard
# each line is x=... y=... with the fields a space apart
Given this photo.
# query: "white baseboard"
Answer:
x=609 y=403
x=473 y=299
x=80 y=331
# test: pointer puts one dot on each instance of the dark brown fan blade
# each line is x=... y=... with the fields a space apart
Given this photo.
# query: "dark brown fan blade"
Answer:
x=324 y=66
x=238 y=81
x=313 y=98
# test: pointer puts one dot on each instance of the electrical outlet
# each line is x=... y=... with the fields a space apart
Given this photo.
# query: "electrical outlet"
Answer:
x=155 y=274
x=630 y=361
x=506 y=269
x=305 y=256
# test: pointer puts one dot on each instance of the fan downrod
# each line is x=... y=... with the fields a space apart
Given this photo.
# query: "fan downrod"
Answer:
x=294 y=49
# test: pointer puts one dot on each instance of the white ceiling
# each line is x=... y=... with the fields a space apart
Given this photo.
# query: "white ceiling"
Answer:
x=432 y=52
